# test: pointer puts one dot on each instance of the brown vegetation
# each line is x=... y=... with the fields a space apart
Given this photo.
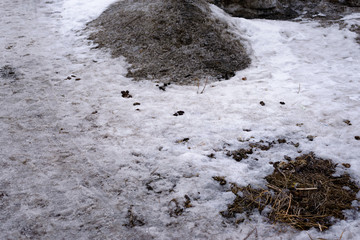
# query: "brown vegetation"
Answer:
x=303 y=193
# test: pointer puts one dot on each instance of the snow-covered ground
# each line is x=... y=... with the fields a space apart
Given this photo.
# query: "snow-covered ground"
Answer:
x=78 y=161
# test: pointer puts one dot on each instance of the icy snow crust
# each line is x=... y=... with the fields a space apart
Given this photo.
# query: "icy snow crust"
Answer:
x=75 y=155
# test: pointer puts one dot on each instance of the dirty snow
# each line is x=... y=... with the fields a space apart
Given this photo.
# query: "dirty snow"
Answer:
x=76 y=157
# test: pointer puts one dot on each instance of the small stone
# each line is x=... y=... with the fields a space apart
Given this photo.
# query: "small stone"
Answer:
x=262 y=103
x=282 y=103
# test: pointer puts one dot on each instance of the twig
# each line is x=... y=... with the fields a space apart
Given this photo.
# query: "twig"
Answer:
x=132 y=20
x=289 y=204
x=306 y=189
x=342 y=234
x=320 y=227
x=273 y=187
x=310 y=236
x=154 y=171
x=198 y=84
x=204 y=85
x=250 y=233
x=282 y=174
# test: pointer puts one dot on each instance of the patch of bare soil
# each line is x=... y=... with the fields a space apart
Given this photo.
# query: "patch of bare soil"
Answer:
x=303 y=193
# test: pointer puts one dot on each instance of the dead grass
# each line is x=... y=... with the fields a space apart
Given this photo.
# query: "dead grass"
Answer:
x=302 y=193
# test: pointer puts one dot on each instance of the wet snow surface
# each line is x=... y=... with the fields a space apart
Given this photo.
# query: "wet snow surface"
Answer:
x=79 y=161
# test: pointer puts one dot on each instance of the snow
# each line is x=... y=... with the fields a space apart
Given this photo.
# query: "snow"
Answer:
x=75 y=155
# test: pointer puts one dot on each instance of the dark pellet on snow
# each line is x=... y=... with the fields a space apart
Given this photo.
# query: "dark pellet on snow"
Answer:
x=126 y=94
x=347 y=122
x=179 y=113
x=310 y=138
x=262 y=103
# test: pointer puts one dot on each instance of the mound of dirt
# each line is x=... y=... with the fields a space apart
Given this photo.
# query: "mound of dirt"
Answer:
x=303 y=193
x=170 y=40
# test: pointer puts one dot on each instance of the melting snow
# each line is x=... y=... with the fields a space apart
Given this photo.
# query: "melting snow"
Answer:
x=78 y=160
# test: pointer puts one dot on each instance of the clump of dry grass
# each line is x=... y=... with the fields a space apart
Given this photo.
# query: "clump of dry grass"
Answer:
x=303 y=193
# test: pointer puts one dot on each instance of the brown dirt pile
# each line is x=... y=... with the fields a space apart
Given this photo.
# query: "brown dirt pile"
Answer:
x=170 y=40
